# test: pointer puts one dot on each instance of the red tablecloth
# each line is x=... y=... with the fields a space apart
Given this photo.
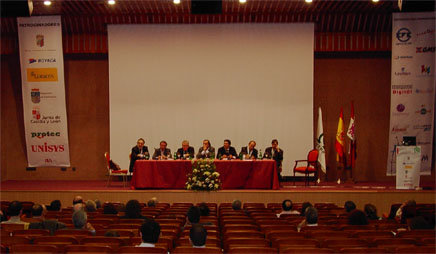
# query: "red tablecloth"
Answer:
x=235 y=174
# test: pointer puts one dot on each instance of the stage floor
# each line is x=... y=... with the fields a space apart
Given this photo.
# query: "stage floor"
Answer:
x=381 y=194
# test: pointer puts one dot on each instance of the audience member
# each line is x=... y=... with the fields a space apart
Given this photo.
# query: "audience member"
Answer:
x=109 y=208
x=193 y=215
x=55 y=205
x=287 y=208
x=198 y=236
x=349 y=206
x=151 y=203
x=111 y=233
x=311 y=218
x=400 y=210
x=78 y=207
x=2 y=216
x=304 y=206
x=357 y=217
x=149 y=232
x=77 y=199
x=371 y=212
x=38 y=220
x=80 y=221
x=133 y=210
x=15 y=210
x=90 y=206
x=408 y=212
x=98 y=203
x=237 y=205
x=204 y=209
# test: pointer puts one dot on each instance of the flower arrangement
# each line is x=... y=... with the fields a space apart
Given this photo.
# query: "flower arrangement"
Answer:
x=203 y=177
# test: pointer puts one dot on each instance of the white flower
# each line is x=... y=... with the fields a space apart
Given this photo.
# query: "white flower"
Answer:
x=207 y=180
x=216 y=174
x=207 y=173
x=216 y=186
x=194 y=178
x=210 y=186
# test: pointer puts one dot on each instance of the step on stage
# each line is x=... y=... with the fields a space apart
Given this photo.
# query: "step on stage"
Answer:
x=382 y=195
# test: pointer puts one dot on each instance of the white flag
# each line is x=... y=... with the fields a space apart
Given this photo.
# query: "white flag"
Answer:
x=320 y=142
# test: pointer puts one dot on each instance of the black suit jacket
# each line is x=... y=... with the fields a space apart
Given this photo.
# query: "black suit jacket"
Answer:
x=222 y=151
x=135 y=155
x=277 y=156
x=158 y=152
x=244 y=151
x=209 y=154
x=190 y=151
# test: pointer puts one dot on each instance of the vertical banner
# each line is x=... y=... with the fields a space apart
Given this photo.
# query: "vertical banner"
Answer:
x=407 y=168
x=412 y=85
x=43 y=87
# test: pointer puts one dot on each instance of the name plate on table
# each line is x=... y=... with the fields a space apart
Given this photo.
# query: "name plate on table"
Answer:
x=408 y=166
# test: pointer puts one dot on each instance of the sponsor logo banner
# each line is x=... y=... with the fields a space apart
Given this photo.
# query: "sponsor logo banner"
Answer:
x=412 y=88
x=43 y=90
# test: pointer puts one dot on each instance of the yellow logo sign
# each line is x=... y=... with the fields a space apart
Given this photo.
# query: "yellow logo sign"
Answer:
x=42 y=74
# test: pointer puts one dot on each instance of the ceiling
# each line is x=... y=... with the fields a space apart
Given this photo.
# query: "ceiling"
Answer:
x=329 y=16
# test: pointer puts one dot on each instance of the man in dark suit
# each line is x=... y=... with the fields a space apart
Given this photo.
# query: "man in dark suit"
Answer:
x=249 y=152
x=139 y=152
x=206 y=151
x=186 y=151
x=226 y=151
x=275 y=153
x=163 y=153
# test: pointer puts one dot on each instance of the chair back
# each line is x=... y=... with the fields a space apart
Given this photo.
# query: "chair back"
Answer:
x=312 y=157
x=108 y=159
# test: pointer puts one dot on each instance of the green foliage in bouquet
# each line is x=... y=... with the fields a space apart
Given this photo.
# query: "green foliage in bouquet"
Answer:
x=203 y=177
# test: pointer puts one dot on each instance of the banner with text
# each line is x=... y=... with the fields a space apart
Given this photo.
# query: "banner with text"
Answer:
x=43 y=87
x=412 y=85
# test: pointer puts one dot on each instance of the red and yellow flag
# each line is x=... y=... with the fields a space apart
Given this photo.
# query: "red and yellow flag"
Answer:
x=340 y=139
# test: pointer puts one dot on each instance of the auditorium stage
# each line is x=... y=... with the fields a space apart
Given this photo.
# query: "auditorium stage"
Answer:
x=380 y=194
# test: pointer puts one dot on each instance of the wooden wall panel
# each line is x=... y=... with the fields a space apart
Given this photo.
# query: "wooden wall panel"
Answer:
x=337 y=81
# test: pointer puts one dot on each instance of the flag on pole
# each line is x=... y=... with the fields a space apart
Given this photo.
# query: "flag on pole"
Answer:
x=320 y=142
x=340 y=139
x=351 y=134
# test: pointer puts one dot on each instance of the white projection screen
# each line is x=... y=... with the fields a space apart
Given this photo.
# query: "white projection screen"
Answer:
x=211 y=81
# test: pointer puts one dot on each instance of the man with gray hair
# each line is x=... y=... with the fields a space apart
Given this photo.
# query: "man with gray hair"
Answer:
x=237 y=204
x=80 y=221
x=186 y=151
x=90 y=206
x=311 y=218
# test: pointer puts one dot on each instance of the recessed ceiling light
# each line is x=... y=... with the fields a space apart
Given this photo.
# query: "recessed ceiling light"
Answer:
x=375 y=1
x=47 y=3
x=242 y=1
x=111 y=2
x=176 y=1
x=308 y=1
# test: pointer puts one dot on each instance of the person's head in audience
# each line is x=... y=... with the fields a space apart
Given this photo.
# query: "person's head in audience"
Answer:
x=349 y=206
x=111 y=233
x=78 y=206
x=15 y=208
x=287 y=205
x=237 y=204
x=121 y=207
x=371 y=212
x=80 y=219
x=97 y=203
x=227 y=143
x=198 y=235
x=150 y=231
x=311 y=215
x=194 y=214
x=90 y=206
x=109 y=208
x=133 y=209
x=204 y=209
x=38 y=210
x=357 y=217
x=55 y=205
x=408 y=212
x=304 y=206
x=77 y=199
x=151 y=203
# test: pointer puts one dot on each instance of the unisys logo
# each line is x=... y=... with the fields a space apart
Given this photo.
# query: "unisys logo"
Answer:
x=46 y=148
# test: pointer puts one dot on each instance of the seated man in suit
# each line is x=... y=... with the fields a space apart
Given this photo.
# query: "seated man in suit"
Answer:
x=226 y=151
x=206 y=151
x=186 y=151
x=163 y=153
x=139 y=152
x=249 y=152
x=275 y=153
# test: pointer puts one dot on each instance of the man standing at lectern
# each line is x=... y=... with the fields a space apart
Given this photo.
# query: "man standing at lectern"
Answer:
x=139 y=152
x=275 y=153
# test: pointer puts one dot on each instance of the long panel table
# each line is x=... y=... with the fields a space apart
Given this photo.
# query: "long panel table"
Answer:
x=235 y=174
